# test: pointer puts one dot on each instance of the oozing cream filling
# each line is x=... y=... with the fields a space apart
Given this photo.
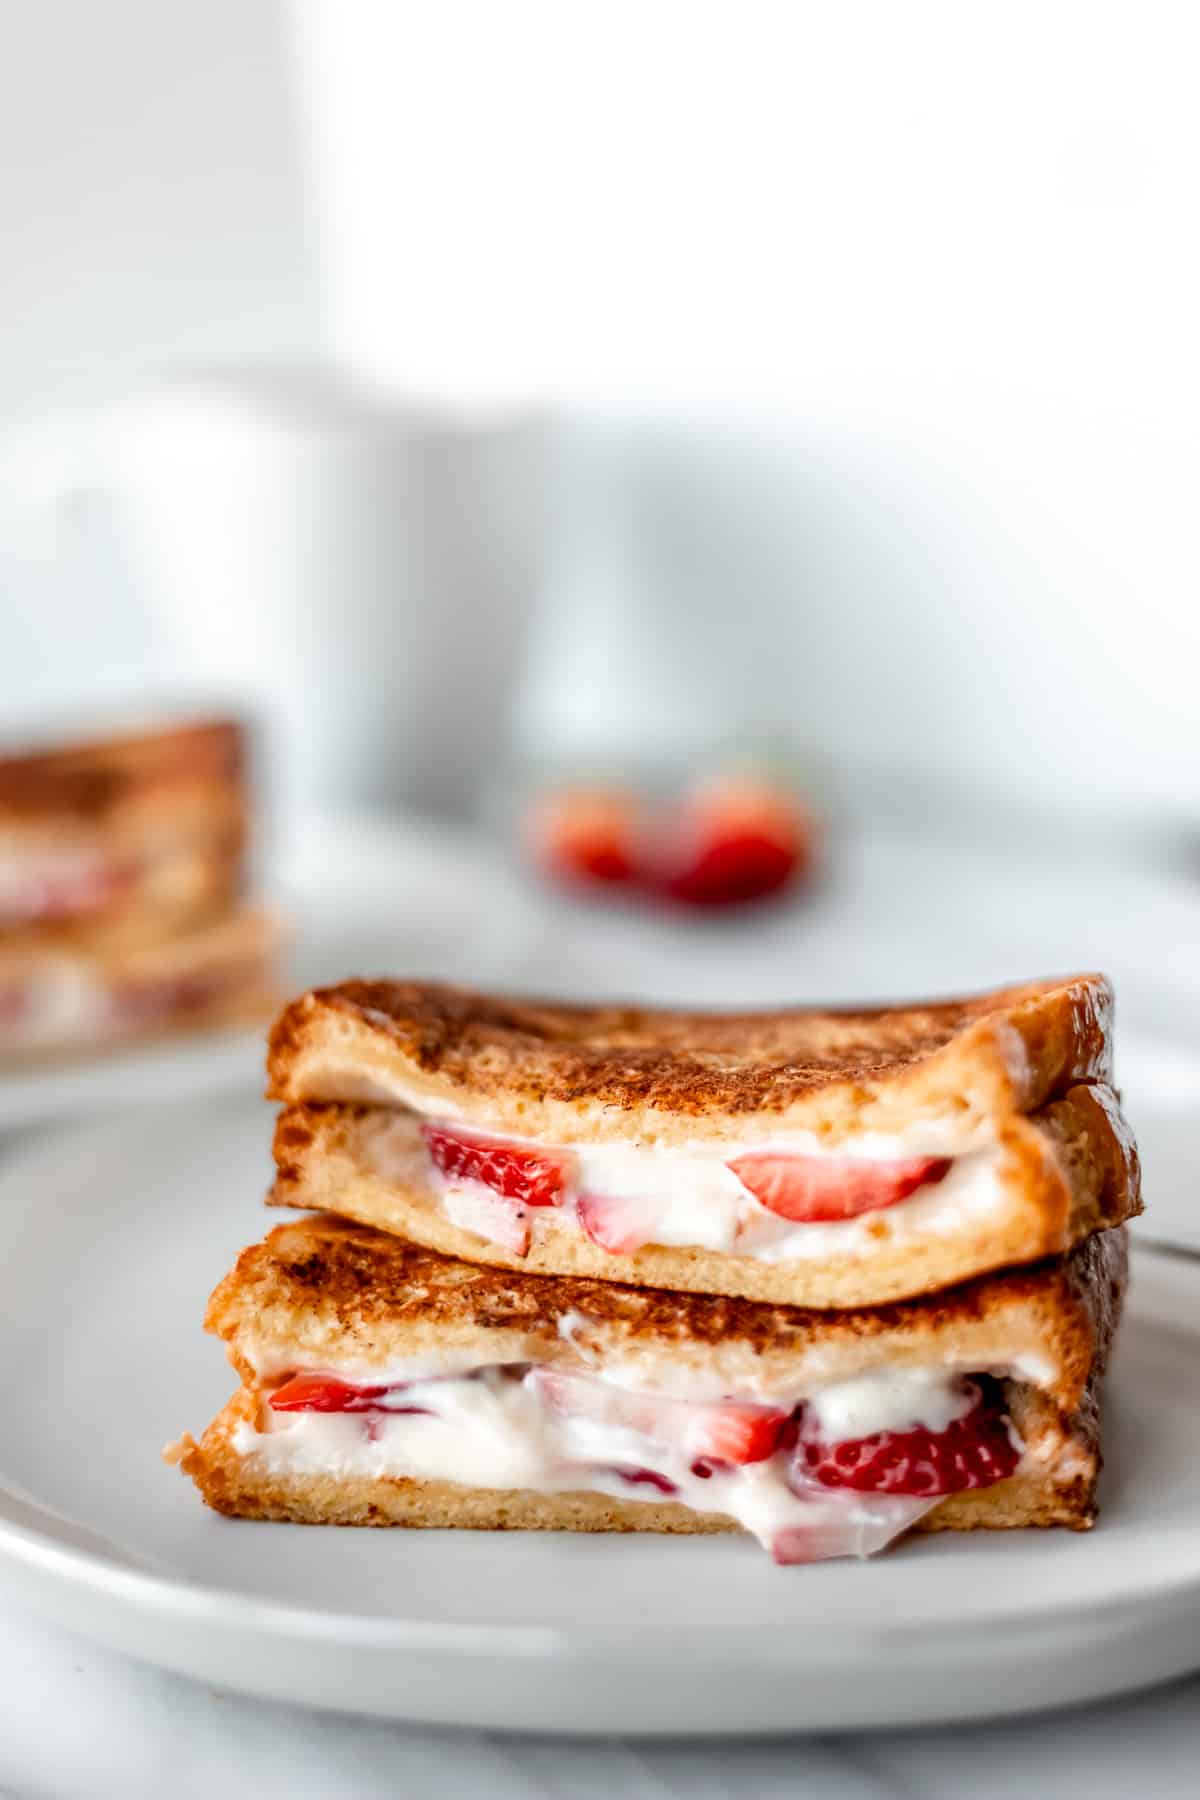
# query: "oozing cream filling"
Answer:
x=688 y=1196
x=497 y=1429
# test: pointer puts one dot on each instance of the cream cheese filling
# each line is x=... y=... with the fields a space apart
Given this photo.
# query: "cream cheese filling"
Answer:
x=493 y=1429
x=688 y=1197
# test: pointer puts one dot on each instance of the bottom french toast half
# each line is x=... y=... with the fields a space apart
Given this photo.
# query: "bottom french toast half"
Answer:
x=385 y=1385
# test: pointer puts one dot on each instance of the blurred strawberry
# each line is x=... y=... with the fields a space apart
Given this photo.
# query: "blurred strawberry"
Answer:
x=737 y=838
x=586 y=834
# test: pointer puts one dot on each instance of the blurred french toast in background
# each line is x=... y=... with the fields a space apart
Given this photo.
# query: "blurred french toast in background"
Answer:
x=123 y=871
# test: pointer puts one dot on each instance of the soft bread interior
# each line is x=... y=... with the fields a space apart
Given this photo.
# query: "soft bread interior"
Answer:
x=1067 y=1171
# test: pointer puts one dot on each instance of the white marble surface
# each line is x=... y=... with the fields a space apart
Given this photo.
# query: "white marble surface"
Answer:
x=79 y=1723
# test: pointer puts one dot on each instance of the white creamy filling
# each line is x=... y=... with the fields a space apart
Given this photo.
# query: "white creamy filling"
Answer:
x=690 y=1198
x=495 y=1430
x=969 y=1196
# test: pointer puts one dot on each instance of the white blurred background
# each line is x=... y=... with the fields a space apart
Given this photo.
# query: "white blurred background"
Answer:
x=472 y=385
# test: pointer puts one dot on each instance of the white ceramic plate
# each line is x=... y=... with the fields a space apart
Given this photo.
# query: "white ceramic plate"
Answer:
x=113 y=1238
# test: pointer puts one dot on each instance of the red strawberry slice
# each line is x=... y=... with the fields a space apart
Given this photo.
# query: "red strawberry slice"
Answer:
x=645 y=1478
x=735 y=1434
x=972 y=1452
x=323 y=1393
x=619 y=1225
x=567 y=1393
x=532 y=1177
x=823 y=1189
x=835 y=1529
x=727 y=1432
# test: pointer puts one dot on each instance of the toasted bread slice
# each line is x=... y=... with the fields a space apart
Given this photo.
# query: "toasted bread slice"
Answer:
x=1067 y=1171
x=327 y=1296
x=572 y=1074
x=324 y=1293
x=56 y=1000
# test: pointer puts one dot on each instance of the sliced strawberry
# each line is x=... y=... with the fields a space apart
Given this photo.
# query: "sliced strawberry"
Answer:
x=567 y=1393
x=834 y=1528
x=619 y=1225
x=822 y=1189
x=495 y=1217
x=534 y=1177
x=323 y=1393
x=586 y=834
x=645 y=1478
x=973 y=1452
x=735 y=1434
x=738 y=838
x=724 y=1432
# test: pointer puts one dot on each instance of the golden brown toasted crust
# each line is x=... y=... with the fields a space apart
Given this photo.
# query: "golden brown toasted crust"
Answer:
x=1056 y=1489
x=569 y=1073
x=88 y=780
x=322 y=1292
x=1067 y=1171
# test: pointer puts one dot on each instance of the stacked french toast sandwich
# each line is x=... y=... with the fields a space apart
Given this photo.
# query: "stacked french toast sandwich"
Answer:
x=824 y=1277
x=122 y=889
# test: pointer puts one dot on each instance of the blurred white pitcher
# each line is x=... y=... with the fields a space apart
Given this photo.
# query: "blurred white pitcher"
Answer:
x=358 y=576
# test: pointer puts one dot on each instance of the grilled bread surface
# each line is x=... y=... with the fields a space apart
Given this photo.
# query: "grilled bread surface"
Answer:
x=325 y=1293
x=578 y=1073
